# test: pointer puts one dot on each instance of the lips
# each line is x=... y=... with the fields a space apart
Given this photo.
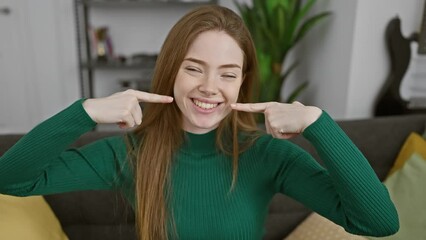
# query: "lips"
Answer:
x=205 y=104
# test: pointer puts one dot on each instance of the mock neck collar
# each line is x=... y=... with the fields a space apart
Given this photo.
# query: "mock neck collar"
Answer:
x=200 y=143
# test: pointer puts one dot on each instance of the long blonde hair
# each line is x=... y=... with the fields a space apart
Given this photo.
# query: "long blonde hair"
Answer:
x=158 y=136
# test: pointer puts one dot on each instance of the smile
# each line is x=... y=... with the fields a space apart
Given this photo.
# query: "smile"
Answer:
x=204 y=105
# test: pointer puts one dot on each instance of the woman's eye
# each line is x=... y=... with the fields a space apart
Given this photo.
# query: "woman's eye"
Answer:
x=229 y=76
x=192 y=69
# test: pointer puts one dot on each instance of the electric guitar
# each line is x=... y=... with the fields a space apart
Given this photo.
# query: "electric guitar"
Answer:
x=404 y=91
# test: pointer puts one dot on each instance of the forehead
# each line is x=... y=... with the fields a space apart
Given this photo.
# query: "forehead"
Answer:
x=216 y=47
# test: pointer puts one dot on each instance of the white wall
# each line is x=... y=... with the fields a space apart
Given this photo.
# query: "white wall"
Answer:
x=45 y=62
x=16 y=99
x=53 y=42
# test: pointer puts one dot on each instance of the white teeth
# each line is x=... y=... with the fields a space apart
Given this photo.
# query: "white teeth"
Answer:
x=205 y=105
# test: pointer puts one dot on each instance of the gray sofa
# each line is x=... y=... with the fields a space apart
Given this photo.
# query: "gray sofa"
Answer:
x=106 y=215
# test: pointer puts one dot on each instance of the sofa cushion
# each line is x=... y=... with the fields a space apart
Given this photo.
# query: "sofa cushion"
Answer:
x=406 y=188
x=405 y=184
x=413 y=144
x=28 y=218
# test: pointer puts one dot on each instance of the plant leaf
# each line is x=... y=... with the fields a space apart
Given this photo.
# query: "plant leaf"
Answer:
x=276 y=26
x=305 y=9
x=299 y=13
x=296 y=92
x=289 y=71
x=308 y=24
x=245 y=11
x=280 y=14
x=262 y=12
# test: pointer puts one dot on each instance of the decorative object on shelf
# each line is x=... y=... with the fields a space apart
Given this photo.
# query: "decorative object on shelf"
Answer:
x=102 y=44
x=128 y=84
x=135 y=83
x=408 y=60
x=144 y=58
x=276 y=27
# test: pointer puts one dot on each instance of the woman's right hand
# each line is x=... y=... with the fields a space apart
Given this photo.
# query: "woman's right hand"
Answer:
x=121 y=108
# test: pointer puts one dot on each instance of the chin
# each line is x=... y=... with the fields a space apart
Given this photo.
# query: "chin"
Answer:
x=197 y=125
x=206 y=125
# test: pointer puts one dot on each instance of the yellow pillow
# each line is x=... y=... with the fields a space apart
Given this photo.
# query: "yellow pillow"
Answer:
x=316 y=227
x=414 y=144
x=407 y=191
x=28 y=218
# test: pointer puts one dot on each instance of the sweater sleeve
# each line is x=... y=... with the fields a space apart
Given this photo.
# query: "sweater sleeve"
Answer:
x=41 y=162
x=347 y=191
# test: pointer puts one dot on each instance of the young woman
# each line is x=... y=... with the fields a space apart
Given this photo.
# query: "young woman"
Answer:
x=196 y=167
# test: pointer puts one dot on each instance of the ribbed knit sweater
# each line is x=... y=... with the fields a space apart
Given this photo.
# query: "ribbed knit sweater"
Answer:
x=345 y=191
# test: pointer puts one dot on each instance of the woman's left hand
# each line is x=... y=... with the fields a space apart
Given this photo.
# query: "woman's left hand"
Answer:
x=283 y=120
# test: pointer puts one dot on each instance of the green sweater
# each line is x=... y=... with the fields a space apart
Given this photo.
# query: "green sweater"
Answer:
x=346 y=191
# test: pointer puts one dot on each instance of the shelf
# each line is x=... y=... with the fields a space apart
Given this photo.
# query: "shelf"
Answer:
x=117 y=66
x=116 y=3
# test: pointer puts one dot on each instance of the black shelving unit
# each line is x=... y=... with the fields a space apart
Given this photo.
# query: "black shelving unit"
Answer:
x=87 y=65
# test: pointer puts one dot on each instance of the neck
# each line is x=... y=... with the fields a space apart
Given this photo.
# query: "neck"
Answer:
x=200 y=143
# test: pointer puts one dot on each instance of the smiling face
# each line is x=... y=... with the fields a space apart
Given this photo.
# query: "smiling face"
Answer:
x=208 y=81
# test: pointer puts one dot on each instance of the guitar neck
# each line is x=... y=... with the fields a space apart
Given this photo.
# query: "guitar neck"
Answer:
x=422 y=35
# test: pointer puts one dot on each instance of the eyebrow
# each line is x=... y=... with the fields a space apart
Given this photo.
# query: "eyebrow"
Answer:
x=231 y=65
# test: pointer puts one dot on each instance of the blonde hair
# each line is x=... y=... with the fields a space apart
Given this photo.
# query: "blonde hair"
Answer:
x=153 y=157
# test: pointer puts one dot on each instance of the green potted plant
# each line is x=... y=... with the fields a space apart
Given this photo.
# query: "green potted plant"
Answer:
x=276 y=27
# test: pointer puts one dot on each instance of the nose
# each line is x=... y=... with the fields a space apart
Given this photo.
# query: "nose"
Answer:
x=209 y=86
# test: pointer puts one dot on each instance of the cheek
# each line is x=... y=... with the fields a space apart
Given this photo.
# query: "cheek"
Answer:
x=178 y=95
x=232 y=92
x=178 y=87
x=184 y=83
x=175 y=90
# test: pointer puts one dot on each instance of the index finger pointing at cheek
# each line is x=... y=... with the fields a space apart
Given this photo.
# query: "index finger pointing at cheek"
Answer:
x=250 y=107
x=152 y=98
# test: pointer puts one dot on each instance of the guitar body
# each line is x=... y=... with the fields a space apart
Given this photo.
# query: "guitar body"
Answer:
x=389 y=101
x=413 y=84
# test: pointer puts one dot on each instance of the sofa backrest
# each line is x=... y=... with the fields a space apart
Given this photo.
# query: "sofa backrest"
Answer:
x=105 y=215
